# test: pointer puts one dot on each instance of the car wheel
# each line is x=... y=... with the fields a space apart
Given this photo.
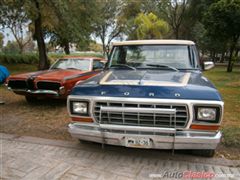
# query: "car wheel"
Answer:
x=31 y=99
x=204 y=152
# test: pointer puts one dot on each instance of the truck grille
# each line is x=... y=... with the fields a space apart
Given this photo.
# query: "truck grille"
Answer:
x=142 y=119
x=48 y=85
x=17 y=84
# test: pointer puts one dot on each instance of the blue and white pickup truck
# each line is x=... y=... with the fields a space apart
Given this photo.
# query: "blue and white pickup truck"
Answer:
x=152 y=94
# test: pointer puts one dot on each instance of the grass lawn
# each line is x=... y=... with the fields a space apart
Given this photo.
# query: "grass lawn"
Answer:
x=229 y=86
x=49 y=120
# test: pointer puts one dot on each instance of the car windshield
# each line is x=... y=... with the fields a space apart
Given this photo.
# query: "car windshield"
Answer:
x=80 y=64
x=151 y=56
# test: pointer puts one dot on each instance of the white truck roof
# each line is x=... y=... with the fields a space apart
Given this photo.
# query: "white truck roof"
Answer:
x=153 y=41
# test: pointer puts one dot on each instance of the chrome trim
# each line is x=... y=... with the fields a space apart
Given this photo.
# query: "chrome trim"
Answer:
x=208 y=65
x=189 y=103
x=160 y=140
x=140 y=110
x=137 y=128
x=62 y=90
x=35 y=91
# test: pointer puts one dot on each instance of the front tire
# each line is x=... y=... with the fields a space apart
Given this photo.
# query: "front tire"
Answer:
x=204 y=152
x=31 y=99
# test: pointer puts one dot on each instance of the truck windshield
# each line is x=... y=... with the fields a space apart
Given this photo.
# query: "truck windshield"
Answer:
x=151 y=56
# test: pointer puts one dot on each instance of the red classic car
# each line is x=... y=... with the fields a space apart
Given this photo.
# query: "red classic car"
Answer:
x=56 y=82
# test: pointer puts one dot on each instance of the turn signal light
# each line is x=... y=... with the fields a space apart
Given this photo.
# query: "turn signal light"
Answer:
x=205 y=127
x=82 y=119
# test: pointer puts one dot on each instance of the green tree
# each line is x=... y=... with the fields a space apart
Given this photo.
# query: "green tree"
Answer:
x=35 y=10
x=222 y=23
x=13 y=17
x=11 y=47
x=71 y=22
x=150 y=26
x=129 y=12
x=173 y=11
x=107 y=25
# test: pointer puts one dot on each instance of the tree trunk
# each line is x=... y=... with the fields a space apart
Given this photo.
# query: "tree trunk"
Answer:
x=222 y=57
x=66 y=48
x=38 y=35
x=214 y=56
x=176 y=33
x=232 y=48
x=104 y=49
x=230 y=61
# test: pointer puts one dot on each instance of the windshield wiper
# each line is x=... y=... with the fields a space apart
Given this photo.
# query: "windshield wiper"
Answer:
x=123 y=65
x=72 y=68
x=55 y=68
x=162 y=66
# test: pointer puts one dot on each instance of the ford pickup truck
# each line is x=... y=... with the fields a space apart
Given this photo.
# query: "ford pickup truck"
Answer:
x=151 y=94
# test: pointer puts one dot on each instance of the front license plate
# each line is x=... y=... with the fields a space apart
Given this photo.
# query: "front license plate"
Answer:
x=137 y=142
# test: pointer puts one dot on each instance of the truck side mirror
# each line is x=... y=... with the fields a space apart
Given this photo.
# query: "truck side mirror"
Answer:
x=207 y=65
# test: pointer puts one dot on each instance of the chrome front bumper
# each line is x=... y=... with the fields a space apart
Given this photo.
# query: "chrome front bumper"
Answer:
x=41 y=91
x=161 y=138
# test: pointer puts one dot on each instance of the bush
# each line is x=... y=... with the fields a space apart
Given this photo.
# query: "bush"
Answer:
x=19 y=58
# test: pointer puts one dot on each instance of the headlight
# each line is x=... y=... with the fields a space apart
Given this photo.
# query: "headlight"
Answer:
x=206 y=114
x=79 y=108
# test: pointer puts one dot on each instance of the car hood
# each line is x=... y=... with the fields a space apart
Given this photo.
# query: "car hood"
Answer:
x=149 y=84
x=52 y=74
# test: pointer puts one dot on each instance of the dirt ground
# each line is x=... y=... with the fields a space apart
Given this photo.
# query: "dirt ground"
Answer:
x=46 y=119
x=49 y=119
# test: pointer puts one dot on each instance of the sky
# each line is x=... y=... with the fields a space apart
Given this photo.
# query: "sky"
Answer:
x=8 y=36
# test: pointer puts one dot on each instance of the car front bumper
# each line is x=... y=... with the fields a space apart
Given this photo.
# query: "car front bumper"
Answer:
x=32 y=92
x=161 y=138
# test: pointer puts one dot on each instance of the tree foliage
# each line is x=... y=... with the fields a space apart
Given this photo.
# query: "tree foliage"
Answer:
x=11 y=47
x=130 y=10
x=212 y=24
x=173 y=11
x=72 y=22
x=222 y=23
x=149 y=26
x=14 y=18
x=107 y=24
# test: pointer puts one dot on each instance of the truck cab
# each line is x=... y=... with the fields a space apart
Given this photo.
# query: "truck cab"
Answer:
x=151 y=94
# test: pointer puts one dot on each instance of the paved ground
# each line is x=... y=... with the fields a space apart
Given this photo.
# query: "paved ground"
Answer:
x=36 y=158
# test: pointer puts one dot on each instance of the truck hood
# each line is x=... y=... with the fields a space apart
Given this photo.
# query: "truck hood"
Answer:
x=149 y=84
x=52 y=74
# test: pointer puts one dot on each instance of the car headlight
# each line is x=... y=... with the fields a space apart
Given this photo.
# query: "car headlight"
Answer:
x=206 y=114
x=79 y=108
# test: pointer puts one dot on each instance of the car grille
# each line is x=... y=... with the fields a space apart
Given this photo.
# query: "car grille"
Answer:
x=17 y=84
x=30 y=83
x=142 y=119
x=48 y=85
